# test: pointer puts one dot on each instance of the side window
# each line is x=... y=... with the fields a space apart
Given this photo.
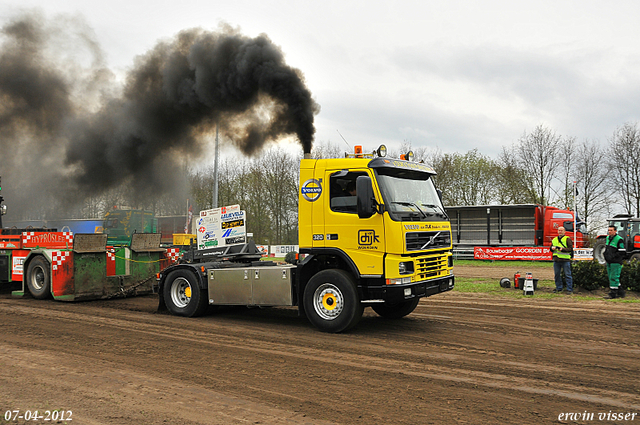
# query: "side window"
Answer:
x=342 y=191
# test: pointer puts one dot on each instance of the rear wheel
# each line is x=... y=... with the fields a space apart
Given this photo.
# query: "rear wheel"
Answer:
x=598 y=250
x=39 y=278
x=182 y=294
x=397 y=310
x=331 y=301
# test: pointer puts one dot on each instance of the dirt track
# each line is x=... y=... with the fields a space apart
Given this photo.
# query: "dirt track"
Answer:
x=460 y=358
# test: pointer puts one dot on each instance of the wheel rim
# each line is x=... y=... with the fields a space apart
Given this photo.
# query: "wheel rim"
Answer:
x=328 y=301
x=181 y=292
x=37 y=278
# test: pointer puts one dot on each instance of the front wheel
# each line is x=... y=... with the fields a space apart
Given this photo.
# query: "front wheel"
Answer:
x=396 y=310
x=38 y=278
x=598 y=250
x=331 y=301
x=182 y=294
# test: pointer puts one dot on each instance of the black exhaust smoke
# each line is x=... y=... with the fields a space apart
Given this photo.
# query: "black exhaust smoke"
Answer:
x=172 y=99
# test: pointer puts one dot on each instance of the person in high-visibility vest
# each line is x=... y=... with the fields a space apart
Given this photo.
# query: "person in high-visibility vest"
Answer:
x=562 y=248
x=614 y=255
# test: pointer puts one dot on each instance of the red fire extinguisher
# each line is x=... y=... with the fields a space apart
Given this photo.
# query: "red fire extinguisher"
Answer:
x=516 y=280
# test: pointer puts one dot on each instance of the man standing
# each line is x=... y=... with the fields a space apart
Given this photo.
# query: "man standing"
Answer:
x=562 y=247
x=614 y=257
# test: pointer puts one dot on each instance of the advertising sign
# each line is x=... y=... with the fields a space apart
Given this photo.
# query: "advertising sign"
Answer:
x=282 y=250
x=220 y=227
x=525 y=253
x=512 y=253
x=583 y=254
x=263 y=249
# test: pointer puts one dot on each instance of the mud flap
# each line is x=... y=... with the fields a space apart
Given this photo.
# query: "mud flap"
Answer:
x=161 y=304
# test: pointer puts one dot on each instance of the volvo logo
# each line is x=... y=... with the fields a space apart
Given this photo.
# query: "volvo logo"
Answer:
x=432 y=239
x=311 y=190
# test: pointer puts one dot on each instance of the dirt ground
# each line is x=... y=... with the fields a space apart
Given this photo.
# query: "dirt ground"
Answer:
x=459 y=358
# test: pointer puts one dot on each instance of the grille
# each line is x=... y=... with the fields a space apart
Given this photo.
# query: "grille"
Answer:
x=428 y=240
x=428 y=267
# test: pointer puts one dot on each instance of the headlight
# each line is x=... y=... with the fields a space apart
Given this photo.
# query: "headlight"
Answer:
x=406 y=267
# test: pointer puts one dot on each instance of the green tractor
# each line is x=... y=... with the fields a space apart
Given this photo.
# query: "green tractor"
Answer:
x=628 y=228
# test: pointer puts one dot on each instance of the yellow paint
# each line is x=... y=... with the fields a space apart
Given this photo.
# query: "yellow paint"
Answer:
x=376 y=244
x=329 y=301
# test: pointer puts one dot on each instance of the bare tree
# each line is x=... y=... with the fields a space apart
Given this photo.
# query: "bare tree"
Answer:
x=327 y=150
x=514 y=185
x=567 y=156
x=538 y=152
x=280 y=189
x=624 y=155
x=591 y=178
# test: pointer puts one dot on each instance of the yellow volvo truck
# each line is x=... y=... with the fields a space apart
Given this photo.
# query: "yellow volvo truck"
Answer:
x=374 y=232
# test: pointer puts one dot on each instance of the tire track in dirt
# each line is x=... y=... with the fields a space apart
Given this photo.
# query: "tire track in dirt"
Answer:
x=181 y=331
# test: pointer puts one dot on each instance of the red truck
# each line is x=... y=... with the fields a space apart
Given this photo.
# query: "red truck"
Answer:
x=523 y=225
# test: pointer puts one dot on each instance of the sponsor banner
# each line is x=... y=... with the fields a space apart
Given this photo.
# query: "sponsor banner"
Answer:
x=219 y=227
x=583 y=254
x=512 y=253
x=59 y=240
x=526 y=253
x=282 y=250
x=17 y=263
x=264 y=249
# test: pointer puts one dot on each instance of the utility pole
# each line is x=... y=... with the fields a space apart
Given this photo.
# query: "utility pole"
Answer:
x=3 y=208
x=214 y=200
x=575 y=210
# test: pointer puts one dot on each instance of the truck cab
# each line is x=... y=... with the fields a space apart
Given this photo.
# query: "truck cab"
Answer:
x=382 y=223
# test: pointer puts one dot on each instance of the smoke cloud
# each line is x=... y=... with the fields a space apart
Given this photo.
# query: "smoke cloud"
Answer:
x=67 y=128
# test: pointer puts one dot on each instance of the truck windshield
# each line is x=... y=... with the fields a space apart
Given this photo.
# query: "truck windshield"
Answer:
x=410 y=195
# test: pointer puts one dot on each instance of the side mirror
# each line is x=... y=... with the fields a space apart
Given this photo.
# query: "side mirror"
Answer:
x=440 y=195
x=366 y=201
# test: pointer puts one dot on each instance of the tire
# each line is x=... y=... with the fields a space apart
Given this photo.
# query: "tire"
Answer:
x=598 y=250
x=39 y=278
x=182 y=294
x=635 y=257
x=331 y=301
x=396 y=311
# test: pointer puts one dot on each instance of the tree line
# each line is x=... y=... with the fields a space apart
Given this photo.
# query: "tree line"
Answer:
x=540 y=167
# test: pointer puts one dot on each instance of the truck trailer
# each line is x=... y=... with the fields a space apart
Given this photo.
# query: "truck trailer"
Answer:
x=71 y=267
x=512 y=225
x=373 y=231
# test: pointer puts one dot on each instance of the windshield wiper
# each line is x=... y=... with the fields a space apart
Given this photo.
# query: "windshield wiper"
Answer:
x=411 y=204
x=437 y=207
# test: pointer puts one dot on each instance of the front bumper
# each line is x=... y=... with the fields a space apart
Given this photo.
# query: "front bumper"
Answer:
x=403 y=292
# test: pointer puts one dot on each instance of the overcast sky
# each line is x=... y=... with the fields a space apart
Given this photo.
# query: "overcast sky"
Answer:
x=456 y=75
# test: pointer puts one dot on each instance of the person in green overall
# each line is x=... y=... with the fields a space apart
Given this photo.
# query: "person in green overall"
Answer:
x=614 y=255
x=562 y=247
